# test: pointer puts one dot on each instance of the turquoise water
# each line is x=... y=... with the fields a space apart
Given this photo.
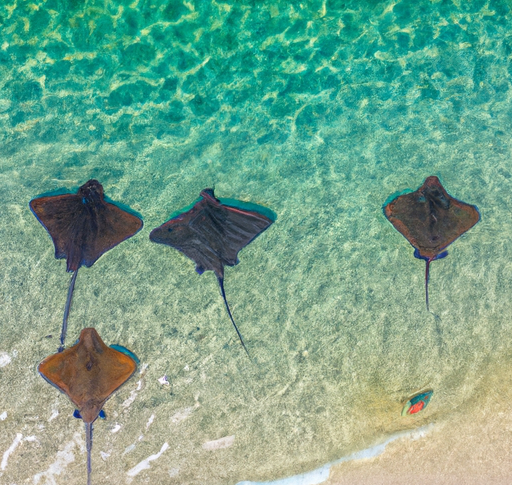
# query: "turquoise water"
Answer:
x=317 y=110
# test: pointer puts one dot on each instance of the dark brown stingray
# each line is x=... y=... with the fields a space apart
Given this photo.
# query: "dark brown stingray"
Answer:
x=212 y=233
x=88 y=373
x=83 y=226
x=430 y=219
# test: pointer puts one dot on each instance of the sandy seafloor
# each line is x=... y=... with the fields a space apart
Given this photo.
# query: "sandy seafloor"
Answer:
x=319 y=111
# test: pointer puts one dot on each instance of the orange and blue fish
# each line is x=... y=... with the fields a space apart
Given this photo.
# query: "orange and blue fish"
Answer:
x=417 y=403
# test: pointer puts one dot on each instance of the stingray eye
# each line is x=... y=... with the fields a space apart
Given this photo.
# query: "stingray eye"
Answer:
x=169 y=229
x=89 y=364
x=422 y=199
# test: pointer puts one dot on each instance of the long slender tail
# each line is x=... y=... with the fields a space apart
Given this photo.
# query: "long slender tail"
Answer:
x=88 y=444
x=221 y=284
x=66 y=311
x=427 y=275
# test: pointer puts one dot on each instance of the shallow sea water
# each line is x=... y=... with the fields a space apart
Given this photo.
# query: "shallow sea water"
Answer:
x=319 y=111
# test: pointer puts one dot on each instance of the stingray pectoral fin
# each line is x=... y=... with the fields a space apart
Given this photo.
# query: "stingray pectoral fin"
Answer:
x=125 y=351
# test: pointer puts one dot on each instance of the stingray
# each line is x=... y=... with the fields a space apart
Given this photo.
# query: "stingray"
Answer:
x=88 y=373
x=430 y=219
x=212 y=232
x=83 y=226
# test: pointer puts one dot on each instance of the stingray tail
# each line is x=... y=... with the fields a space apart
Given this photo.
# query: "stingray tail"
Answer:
x=221 y=284
x=88 y=444
x=66 y=311
x=427 y=276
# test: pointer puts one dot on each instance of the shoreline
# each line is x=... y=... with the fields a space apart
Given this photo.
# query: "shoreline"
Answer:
x=471 y=445
x=321 y=475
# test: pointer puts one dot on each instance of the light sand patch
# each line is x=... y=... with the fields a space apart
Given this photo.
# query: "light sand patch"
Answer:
x=144 y=464
x=64 y=458
x=128 y=402
x=55 y=413
x=5 y=359
x=219 y=444
x=150 y=421
x=9 y=450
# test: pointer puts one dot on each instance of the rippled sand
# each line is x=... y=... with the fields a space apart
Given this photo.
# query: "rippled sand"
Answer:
x=319 y=111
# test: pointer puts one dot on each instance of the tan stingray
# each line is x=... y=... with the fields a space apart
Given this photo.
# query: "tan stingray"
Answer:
x=88 y=373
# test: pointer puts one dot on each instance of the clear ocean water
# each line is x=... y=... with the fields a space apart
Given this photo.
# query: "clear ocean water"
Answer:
x=318 y=110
